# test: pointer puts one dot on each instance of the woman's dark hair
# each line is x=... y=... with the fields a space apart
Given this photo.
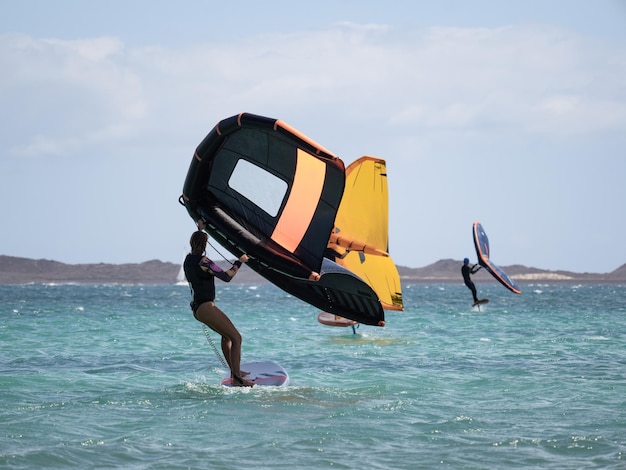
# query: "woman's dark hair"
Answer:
x=198 y=242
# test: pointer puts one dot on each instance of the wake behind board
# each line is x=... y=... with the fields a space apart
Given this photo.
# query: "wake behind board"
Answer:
x=262 y=373
x=480 y=302
x=330 y=319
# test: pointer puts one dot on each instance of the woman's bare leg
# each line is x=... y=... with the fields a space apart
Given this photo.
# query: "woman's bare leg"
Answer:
x=209 y=314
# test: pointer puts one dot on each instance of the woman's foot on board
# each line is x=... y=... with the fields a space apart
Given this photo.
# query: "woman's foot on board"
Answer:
x=238 y=381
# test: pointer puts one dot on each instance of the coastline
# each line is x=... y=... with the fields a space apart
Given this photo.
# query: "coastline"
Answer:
x=15 y=270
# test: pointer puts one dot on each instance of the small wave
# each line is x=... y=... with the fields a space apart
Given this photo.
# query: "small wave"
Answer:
x=597 y=338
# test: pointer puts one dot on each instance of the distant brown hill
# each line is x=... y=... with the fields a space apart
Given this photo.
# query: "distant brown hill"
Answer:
x=23 y=270
x=448 y=270
x=15 y=270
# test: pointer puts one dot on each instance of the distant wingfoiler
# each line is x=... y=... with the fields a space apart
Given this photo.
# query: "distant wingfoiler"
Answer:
x=267 y=190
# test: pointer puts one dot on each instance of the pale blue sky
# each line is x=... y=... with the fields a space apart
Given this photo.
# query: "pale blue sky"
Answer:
x=509 y=113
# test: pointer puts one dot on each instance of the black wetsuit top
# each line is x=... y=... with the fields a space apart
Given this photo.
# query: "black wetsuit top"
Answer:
x=466 y=270
x=202 y=282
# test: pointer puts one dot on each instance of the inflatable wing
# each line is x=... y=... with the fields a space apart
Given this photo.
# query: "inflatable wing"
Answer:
x=267 y=190
x=360 y=239
x=481 y=243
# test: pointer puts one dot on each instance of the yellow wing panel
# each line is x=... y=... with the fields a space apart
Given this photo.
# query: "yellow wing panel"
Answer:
x=363 y=214
x=361 y=234
x=380 y=273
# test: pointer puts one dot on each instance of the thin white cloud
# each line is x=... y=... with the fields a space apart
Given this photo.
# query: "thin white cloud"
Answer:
x=449 y=108
x=531 y=79
x=65 y=96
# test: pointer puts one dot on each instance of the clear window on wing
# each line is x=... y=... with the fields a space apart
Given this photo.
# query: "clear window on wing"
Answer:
x=259 y=186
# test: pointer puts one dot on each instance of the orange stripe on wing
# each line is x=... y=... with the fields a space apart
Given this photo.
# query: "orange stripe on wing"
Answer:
x=300 y=208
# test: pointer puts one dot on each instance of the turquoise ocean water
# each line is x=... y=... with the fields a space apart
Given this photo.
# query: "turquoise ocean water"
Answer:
x=116 y=376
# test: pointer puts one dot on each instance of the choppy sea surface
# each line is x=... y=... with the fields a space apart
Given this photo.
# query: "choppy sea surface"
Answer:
x=122 y=376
